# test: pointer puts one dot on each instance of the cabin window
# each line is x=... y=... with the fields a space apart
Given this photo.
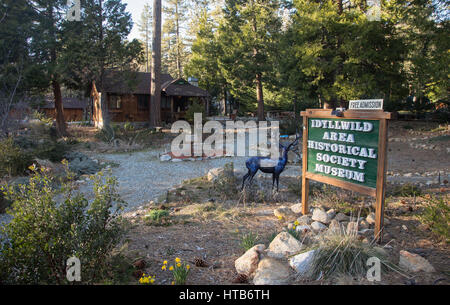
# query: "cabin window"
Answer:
x=115 y=102
x=143 y=101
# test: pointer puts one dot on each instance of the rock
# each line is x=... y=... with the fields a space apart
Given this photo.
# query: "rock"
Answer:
x=272 y=272
x=304 y=220
x=283 y=212
x=297 y=208
x=352 y=227
x=284 y=244
x=364 y=224
x=405 y=228
x=371 y=218
x=215 y=173
x=366 y=232
x=81 y=164
x=302 y=263
x=303 y=228
x=408 y=175
x=318 y=226
x=54 y=169
x=335 y=227
x=248 y=263
x=331 y=213
x=414 y=262
x=322 y=216
x=177 y=160
x=341 y=217
x=165 y=158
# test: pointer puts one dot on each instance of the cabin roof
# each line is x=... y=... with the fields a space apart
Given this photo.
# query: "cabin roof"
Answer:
x=68 y=103
x=127 y=82
x=180 y=87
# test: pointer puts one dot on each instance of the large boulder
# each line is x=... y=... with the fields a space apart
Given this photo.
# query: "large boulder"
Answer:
x=284 y=244
x=248 y=263
x=81 y=164
x=302 y=262
x=413 y=262
x=51 y=168
x=318 y=226
x=272 y=272
x=322 y=216
x=297 y=208
x=283 y=212
x=341 y=217
x=304 y=220
x=218 y=172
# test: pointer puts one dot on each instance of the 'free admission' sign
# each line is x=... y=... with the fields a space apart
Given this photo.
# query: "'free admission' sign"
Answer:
x=345 y=149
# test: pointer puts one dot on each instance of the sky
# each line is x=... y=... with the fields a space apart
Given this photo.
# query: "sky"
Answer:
x=135 y=7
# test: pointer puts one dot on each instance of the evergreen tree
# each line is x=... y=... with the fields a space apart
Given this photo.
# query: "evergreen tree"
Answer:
x=145 y=28
x=174 y=46
x=248 y=35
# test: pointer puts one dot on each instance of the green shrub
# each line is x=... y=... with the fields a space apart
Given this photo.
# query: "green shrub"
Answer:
x=157 y=217
x=195 y=108
x=13 y=161
x=437 y=216
x=405 y=190
x=53 y=151
x=50 y=225
x=106 y=134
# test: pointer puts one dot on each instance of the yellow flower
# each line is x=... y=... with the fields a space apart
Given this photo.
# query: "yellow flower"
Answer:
x=188 y=267
x=296 y=223
x=177 y=260
x=141 y=280
x=163 y=267
x=280 y=217
x=173 y=283
x=171 y=268
x=165 y=262
x=294 y=227
x=178 y=265
x=152 y=281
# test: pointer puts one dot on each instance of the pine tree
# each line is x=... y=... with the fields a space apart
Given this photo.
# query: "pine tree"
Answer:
x=155 y=86
x=174 y=47
x=248 y=35
x=145 y=28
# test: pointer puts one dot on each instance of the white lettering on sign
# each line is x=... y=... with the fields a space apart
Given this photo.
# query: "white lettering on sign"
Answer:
x=366 y=104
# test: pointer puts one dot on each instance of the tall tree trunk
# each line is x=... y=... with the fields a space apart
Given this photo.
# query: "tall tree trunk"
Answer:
x=103 y=99
x=155 y=100
x=179 y=68
x=59 y=109
x=60 y=122
x=259 y=97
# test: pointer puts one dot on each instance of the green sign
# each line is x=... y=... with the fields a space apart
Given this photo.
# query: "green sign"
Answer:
x=344 y=149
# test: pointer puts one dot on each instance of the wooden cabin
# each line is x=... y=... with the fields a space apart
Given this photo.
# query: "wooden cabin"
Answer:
x=74 y=109
x=127 y=98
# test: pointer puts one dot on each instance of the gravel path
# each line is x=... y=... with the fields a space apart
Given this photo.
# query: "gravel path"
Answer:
x=142 y=177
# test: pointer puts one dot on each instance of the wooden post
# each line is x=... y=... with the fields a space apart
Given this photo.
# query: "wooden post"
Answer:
x=381 y=180
x=305 y=181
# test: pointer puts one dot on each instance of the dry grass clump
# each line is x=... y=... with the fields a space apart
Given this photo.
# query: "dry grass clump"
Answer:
x=344 y=253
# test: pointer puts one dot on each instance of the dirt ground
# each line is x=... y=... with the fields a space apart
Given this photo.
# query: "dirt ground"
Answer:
x=203 y=223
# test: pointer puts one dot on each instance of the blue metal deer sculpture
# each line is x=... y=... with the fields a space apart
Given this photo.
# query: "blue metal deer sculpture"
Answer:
x=267 y=165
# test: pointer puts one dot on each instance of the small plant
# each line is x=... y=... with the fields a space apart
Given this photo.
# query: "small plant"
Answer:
x=294 y=233
x=437 y=216
x=195 y=108
x=157 y=217
x=406 y=190
x=180 y=271
x=147 y=279
x=13 y=161
x=249 y=240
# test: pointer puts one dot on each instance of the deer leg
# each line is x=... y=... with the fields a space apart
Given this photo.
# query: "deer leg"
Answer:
x=251 y=176
x=273 y=181
x=245 y=178
x=278 y=181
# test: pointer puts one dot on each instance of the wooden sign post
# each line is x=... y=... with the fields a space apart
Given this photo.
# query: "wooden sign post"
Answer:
x=348 y=151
